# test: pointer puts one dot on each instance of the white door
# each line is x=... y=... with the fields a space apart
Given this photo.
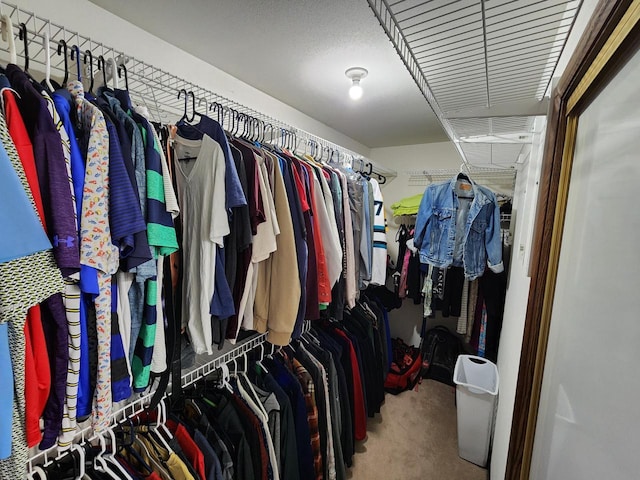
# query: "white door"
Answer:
x=589 y=418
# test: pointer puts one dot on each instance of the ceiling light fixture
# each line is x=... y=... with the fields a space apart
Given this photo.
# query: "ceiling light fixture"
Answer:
x=356 y=74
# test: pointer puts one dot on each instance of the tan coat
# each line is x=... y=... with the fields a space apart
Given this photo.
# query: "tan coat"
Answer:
x=278 y=290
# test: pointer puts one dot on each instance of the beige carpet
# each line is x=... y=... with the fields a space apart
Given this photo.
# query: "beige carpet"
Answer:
x=414 y=438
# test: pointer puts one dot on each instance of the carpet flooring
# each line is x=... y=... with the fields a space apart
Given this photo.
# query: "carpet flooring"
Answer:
x=414 y=438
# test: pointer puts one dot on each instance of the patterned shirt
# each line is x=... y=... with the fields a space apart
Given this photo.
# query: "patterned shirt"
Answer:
x=308 y=388
x=96 y=247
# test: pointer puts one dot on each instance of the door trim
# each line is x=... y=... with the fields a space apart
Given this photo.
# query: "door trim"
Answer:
x=610 y=39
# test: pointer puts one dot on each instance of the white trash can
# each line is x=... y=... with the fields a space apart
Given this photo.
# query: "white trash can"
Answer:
x=476 y=392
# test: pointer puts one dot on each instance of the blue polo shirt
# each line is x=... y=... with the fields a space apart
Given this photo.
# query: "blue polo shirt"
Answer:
x=22 y=231
x=6 y=393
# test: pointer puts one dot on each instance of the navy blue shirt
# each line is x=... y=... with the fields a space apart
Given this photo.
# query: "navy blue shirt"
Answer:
x=292 y=387
x=52 y=172
x=125 y=216
x=300 y=234
x=141 y=253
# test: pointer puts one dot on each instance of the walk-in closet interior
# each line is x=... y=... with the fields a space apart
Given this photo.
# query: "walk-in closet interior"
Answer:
x=330 y=240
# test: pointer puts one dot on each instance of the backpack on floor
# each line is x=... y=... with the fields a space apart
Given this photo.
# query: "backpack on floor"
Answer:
x=405 y=369
x=440 y=350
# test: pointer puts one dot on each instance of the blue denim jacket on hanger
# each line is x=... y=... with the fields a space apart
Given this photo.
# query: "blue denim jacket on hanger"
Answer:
x=435 y=232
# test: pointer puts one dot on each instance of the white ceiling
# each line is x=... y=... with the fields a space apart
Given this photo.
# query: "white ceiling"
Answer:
x=481 y=65
x=297 y=51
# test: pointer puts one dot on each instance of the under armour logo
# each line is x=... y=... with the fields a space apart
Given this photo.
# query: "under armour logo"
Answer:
x=68 y=242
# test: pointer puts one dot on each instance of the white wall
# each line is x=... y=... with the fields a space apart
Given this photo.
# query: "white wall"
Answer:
x=409 y=157
x=100 y=25
x=406 y=322
x=524 y=207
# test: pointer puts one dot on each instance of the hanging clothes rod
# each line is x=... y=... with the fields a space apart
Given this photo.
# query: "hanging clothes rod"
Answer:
x=501 y=178
x=131 y=409
x=240 y=350
x=139 y=404
x=149 y=86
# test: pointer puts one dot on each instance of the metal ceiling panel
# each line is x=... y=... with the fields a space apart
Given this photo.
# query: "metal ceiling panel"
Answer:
x=479 y=53
x=492 y=154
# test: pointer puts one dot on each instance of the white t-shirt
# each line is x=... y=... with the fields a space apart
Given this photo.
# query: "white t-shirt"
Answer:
x=379 y=265
x=201 y=192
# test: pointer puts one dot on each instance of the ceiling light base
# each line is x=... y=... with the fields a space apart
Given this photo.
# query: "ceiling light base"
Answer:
x=356 y=73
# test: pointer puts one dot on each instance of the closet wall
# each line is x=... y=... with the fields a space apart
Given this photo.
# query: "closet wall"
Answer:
x=406 y=321
x=102 y=26
x=524 y=202
x=409 y=157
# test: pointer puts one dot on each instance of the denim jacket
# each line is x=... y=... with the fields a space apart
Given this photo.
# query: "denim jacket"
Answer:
x=435 y=233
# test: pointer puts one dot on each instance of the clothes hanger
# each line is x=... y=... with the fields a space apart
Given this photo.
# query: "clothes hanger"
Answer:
x=99 y=463
x=62 y=46
x=245 y=363
x=329 y=152
x=259 y=361
x=193 y=106
x=111 y=457
x=47 y=61
x=156 y=428
x=240 y=118
x=264 y=131
x=259 y=125
x=245 y=126
x=247 y=130
x=251 y=128
x=200 y=100
x=161 y=426
x=57 y=468
x=123 y=70
x=254 y=124
x=88 y=53
x=42 y=475
x=113 y=66
x=165 y=416
x=294 y=142
x=313 y=148
x=22 y=34
x=235 y=367
x=225 y=377
x=186 y=101
x=81 y=459
x=102 y=67
x=462 y=175
x=75 y=53
x=217 y=109
x=237 y=117
x=233 y=120
x=124 y=438
x=7 y=35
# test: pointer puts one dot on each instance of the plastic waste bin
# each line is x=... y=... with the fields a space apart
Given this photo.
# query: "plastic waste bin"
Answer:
x=476 y=382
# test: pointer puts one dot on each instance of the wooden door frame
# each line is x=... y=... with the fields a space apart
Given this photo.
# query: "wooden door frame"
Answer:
x=611 y=37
